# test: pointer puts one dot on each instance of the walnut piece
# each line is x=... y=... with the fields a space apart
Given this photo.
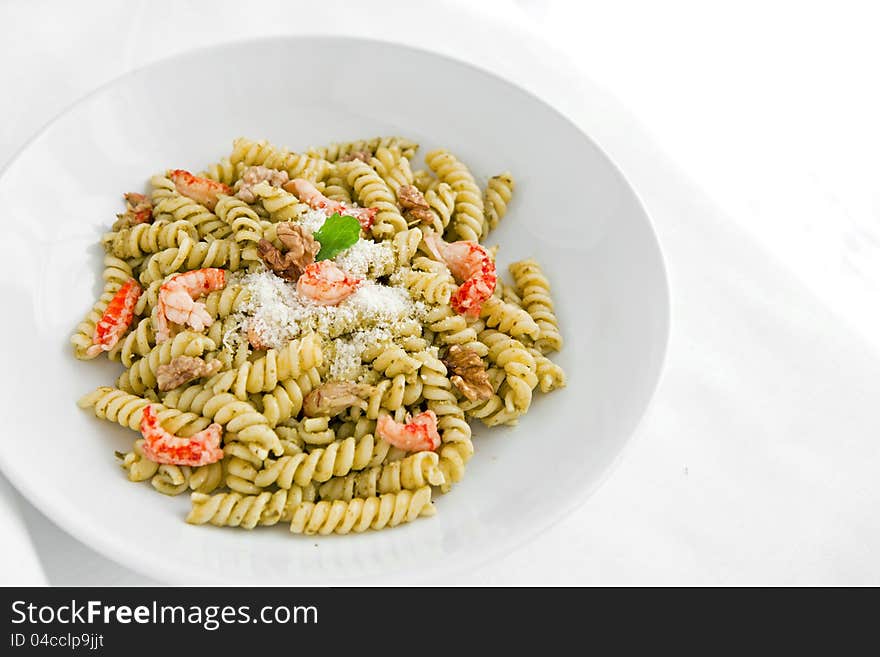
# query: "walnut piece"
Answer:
x=298 y=242
x=253 y=176
x=301 y=249
x=415 y=207
x=138 y=210
x=468 y=373
x=334 y=397
x=183 y=369
x=363 y=156
x=278 y=262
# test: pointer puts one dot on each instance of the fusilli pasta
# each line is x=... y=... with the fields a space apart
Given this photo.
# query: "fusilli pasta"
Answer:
x=321 y=378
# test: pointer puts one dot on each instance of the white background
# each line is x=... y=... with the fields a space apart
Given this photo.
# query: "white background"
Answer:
x=755 y=148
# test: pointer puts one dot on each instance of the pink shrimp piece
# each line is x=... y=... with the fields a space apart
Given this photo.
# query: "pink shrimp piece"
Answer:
x=177 y=300
x=473 y=268
x=200 y=190
x=419 y=434
x=115 y=320
x=309 y=194
x=325 y=283
x=161 y=446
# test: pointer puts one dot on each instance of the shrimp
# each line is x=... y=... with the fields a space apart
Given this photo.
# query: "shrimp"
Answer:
x=473 y=268
x=161 y=446
x=326 y=284
x=419 y=434
x=200 y=190
x=116 y=319
x=309 y=194
x=177 y=300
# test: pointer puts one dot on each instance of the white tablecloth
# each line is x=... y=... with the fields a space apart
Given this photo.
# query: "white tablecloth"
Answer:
x=757 y=462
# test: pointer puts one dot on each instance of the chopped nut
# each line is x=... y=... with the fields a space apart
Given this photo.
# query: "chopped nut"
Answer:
x=138 y=210
x=301 y=251
x=183 y=369
x=253 y=176
x=415 y=207
x=277 y=262
x=334 y=397
x=299 y=244
x=468 y=373
x=363 y=156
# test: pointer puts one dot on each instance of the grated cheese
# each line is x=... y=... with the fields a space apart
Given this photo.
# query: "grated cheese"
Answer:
x=375 y=313
x=367 y=258
x=345 y=353
x=312 y=220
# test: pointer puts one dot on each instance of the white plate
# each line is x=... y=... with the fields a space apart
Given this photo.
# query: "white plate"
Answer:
x=572 y=210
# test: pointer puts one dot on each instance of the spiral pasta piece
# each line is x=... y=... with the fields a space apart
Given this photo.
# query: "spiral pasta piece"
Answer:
x=405 y=245
x=496 y=198
x=423 y=179
x=286 y=399
x=238 y=417
x=441 y=201
x=256 y=153
x=391 y=361
x=136 y=343
x=507 y=293
x=137 y=466
x=335 y=187
x=224 y=172
x=358 y=514
x=519 y=369
x=221 y=332
x=394 y=169
x=373 y=192
x=127 y=410
x=550 y=375
x=279 y=203
x=247 y=226
x=206 y=478
x=142 y=373
x=247 y=511
x=509 y=319
x=493 y=411
x=335 y=151
x=171 y=479
x=116 y=273
x=191 y=255
x=313 y=431
x=241 y=465
x=336 y=460
x=468 y=221
x=432 y=287
x=162 y=187
x=413 y=472
x=177 y=207
x=227 y=301
x=148 y=299
x=534 y=289
x=456 y=447
x=451 y=328
x=428 y=280
x=142 y=239
x=175 y=479
x=266 y=372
